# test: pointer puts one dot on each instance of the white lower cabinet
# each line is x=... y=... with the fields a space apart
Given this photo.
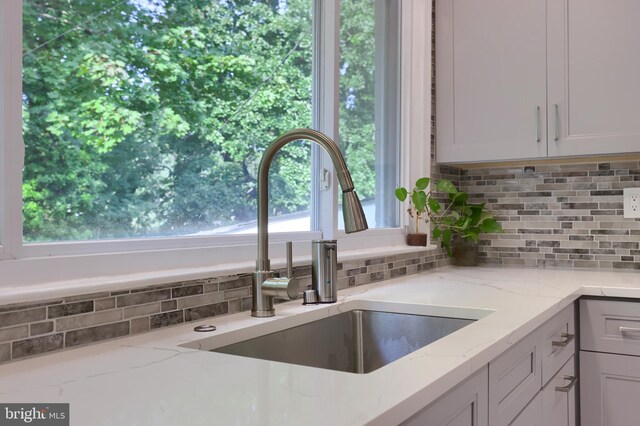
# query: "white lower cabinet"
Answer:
x=609 y=362
x=524 y=379
x=559 y=397
x=531 y=415
x=555 y=404
x=464 y=405
x=515 y=378
x=531 y=384
x=609 y=389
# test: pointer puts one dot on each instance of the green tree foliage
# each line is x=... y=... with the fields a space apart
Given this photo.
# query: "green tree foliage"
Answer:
x=148 y=117
x=357 y=88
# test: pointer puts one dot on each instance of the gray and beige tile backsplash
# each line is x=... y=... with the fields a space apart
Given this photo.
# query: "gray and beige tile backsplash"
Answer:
x=567 y=216
x=35 y=328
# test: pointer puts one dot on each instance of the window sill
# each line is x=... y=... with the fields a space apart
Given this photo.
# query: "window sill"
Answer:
x=10 y=294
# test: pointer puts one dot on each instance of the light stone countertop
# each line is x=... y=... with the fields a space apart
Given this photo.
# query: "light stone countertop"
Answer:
x=149 y=379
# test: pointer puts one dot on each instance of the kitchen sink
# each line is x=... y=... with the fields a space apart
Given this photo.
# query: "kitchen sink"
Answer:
x=354 y=341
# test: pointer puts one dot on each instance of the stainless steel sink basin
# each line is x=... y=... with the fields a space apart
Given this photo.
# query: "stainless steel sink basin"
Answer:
x=357 y=341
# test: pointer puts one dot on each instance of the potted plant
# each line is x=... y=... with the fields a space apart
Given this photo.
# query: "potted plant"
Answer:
x=456 y=222
x=417 y=210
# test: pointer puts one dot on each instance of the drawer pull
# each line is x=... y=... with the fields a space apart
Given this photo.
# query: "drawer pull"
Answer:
x=567 y=339
x=572 y=381
x=630 y=330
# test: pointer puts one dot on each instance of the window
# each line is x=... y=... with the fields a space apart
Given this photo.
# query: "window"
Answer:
x=369 y=104
x=144 y=120
x=147 y=118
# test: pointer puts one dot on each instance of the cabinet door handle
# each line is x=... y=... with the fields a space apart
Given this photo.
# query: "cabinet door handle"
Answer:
x=567 y=388
x=562 y=343
x=538 y=124
x=630 y=330
x=556 y=112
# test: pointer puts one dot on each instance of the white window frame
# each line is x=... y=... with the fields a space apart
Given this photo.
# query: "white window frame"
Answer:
x=198 y=256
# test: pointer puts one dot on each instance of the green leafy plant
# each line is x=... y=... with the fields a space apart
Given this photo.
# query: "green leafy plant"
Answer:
x=455 y=217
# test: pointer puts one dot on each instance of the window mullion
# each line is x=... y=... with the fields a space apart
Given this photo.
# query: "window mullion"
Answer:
x=415 y=77
x=326 y=103
x=11 y=146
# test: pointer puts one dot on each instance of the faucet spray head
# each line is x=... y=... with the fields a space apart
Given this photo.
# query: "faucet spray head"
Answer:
x=354 y=218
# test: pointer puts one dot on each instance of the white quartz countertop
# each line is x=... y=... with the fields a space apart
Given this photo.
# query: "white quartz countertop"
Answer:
x=149 y=379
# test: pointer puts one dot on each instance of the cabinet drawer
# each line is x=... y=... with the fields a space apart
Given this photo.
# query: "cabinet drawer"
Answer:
x=514 y=379
x=610 y=326
x=558 y=342
x=559 y=397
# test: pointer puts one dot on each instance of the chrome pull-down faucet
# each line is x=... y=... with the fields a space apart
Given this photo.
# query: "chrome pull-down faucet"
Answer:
x=265 y=286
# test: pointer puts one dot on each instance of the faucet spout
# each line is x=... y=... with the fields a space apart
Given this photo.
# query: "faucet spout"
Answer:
x=354 y=217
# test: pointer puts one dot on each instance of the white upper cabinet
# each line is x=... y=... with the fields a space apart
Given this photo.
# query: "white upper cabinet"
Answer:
x=536 y=78
x=490 y=76
x=594 y=77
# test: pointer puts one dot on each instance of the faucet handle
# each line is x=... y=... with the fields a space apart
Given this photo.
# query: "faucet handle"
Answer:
x=283 y=287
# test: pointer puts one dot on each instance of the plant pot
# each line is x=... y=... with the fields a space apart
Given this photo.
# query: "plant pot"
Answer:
x=465 y=252
x=417 y=239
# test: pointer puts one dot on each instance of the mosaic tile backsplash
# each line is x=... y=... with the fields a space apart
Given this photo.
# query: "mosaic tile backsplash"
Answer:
x=29 y=329
x=558 y=215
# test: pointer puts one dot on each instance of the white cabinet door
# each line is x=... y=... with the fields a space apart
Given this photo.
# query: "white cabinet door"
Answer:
x=559 y=397
x=491 y=80
x=531 y=415
x=515 y=377
x=465 y=405
x=609 y=389
x=593 y=77
x=555 y=404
